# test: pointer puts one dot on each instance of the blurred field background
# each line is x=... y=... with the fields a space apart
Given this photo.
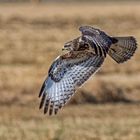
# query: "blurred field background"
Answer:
x=107 y=107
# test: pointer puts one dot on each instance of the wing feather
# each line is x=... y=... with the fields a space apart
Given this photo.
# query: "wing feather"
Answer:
x=101 y=40
x=55 y=94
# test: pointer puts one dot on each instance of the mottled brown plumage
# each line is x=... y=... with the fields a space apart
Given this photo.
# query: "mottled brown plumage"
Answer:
x=84 y=57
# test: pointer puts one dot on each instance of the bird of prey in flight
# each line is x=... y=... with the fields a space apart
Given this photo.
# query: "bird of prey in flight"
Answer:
x=85 y=55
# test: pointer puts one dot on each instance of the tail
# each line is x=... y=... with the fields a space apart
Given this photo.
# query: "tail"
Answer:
x=122 y=48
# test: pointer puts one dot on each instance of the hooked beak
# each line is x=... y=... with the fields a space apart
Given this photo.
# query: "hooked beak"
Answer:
x=63 y=49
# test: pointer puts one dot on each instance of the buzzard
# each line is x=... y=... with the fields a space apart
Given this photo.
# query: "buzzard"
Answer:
x=84 y=57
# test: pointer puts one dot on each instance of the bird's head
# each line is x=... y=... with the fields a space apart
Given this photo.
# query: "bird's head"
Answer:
x=77 y=44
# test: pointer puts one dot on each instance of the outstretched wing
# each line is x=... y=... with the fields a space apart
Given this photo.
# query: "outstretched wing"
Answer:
x=63 y=79
x=98 y=39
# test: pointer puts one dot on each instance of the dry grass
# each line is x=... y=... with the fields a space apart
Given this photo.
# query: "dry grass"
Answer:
x=100 y=122
x=31 y=36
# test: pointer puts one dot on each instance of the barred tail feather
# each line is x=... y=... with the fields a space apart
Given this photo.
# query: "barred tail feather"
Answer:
x=123 y=48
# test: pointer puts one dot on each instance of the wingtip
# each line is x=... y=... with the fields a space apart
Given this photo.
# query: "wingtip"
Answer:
x=40 y=106
x=45 y=111
x=41 y=90
x=39 y=94
x=55 y=111
x=42 y=101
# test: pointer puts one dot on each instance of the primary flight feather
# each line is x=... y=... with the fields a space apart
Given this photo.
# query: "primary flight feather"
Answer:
x=84 y=57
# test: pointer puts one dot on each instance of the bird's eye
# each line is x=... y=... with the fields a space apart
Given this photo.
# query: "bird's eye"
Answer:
x=81 y=44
